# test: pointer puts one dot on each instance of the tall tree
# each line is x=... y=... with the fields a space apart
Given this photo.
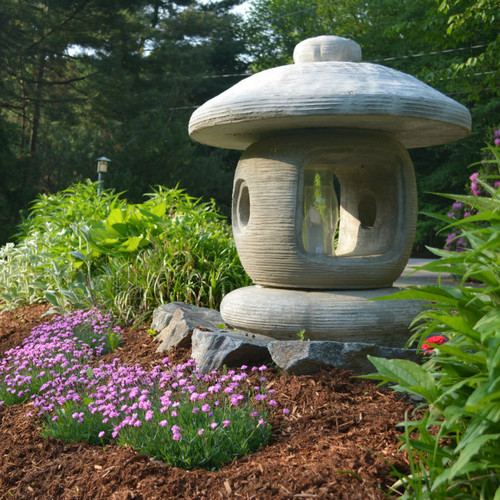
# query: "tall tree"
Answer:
x=114 y=77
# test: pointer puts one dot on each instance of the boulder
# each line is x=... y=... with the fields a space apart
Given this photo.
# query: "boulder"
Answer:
x=181 y=325
x=301 y=358
x=213 y=349
x=163 y=314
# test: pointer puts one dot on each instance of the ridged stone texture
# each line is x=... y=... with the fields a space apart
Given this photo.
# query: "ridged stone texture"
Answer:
x=347 y=316
x=268 y=213
x=326 y=93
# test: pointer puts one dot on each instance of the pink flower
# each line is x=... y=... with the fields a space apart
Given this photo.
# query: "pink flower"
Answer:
x=176 y=433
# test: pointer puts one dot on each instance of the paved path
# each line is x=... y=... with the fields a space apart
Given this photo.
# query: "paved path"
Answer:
x=421 y=277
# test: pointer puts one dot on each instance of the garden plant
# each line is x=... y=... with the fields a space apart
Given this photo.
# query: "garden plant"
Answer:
x=172 y=413
x=52 y=349
x=79 y=250
x=454 y=447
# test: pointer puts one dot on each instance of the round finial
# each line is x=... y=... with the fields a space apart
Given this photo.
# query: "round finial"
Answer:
x=327 y=48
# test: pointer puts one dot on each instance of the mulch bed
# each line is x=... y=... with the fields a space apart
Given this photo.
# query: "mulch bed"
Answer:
x=335 y=443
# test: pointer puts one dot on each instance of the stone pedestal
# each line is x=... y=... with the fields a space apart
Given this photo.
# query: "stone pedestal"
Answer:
x=340 y=316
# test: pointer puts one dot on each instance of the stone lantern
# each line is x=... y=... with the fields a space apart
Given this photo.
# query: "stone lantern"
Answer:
x=324 y=196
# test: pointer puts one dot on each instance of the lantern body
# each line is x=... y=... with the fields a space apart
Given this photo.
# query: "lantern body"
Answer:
x=275 y=207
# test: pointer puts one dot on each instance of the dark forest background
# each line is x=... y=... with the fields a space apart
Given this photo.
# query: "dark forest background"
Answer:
x=120 y=78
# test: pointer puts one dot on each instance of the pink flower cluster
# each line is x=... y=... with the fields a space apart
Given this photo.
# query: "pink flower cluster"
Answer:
x=461 y=211
x=168 y=411
x=127 y=397
x=54 y=347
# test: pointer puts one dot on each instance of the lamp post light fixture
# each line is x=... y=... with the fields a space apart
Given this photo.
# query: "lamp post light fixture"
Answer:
x=324 y=195
x=102 y=168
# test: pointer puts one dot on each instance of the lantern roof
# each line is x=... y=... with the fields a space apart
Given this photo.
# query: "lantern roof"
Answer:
x=328 y=87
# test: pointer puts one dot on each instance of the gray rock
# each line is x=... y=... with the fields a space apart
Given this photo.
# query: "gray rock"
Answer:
x=163 y=314
x=212 y=349
x=181 y=325
x=302 y=358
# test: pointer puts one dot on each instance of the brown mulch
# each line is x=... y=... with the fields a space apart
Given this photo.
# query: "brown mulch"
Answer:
x=335 y=443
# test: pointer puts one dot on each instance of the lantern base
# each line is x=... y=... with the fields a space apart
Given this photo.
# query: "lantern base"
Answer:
x=341 y=316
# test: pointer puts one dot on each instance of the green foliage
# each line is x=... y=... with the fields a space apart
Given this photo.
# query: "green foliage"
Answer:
x=78 y=250
x=302 y=336
x=460 y=382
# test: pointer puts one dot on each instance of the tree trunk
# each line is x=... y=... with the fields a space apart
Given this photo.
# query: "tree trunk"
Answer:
x=37 y=105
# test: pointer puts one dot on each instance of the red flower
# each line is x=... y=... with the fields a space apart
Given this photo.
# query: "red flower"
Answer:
x=436 y=339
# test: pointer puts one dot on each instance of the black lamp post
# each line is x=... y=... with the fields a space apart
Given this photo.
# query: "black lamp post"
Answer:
x=102 y=168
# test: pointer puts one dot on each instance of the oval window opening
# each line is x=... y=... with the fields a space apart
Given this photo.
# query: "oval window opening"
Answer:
x=242 y=205
x=320 y=210
x=367 y=211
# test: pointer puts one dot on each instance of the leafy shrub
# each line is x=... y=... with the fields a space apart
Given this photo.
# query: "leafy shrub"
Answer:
x=36 y=264
x=81 y=250
x=454 y=449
